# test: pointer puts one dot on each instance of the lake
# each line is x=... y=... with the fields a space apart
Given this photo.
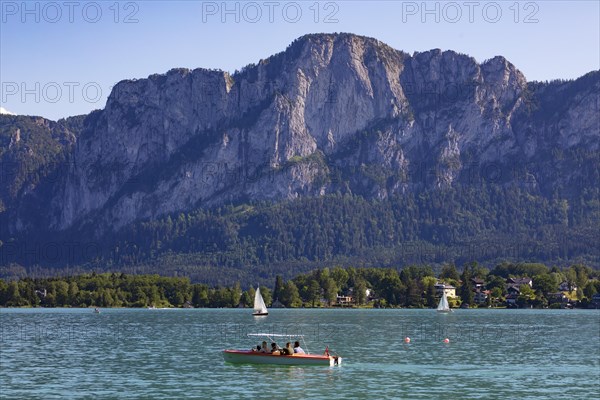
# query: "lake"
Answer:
x=140 y=353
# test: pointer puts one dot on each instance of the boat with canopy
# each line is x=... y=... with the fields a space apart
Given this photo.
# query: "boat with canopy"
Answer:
x=255 y=357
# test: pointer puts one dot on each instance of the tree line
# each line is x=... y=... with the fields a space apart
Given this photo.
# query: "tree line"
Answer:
x=413 y=286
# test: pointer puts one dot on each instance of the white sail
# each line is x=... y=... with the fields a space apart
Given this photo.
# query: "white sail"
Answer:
x=443 y=304
x=259 y=303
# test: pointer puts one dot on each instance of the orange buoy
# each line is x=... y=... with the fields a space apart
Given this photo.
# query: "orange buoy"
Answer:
x=407 y=340
x=446 y=340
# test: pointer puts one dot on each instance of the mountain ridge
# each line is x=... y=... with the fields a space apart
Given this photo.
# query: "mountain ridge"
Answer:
x=332 y=114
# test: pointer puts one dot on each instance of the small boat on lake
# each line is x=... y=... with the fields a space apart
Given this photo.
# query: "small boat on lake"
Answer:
x=443 y=305
x=96 y=310
x=255 y=357
x=260 y=308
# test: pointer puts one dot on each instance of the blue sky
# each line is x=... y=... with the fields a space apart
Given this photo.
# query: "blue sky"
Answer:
x=61 y=58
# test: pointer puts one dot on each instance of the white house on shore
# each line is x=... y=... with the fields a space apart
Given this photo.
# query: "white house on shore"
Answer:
x=350 y=299
x=448 y=289
x=344 y=300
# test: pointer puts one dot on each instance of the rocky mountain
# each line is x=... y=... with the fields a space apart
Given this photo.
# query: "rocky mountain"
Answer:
x=332 y=114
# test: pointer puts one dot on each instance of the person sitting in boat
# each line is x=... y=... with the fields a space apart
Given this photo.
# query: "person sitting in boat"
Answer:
x=298 y=349
x=264 y=348
x=256 y=349
x=274 y=349
x=288 y=350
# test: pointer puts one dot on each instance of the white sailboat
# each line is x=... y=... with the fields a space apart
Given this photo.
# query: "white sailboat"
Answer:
x=260 y=309
x=443 y=305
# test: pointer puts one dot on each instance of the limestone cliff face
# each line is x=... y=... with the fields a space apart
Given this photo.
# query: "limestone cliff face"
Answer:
x=189 y=138
x=331 y=113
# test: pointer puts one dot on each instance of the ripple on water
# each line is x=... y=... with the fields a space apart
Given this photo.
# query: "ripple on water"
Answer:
x=176 y=354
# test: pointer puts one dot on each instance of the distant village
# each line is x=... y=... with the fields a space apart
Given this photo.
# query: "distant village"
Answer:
x=517 y=296
x=508 y=285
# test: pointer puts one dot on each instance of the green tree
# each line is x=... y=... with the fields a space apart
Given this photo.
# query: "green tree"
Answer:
x=330 y=291
x=360 y=291
x=266 y=295
x=236 y=294
x=278 y=287
x=61 y=293
x=220 y=297
x=545 y=283
x=494 y=281
x=391 y=288
x=449 y=272
x=200 y=295
x=571 y=278
x=252 y=294
x=13 y=295
x=466 y=288
x=340 y=276
x=48 y=301
x=314 y=292
x=105 y=298
x=27 y=289
x=290 y=297
x=413 y=296
x=247 y=300
x=152 y=297
x=73 y=294
x=590 y=289
x=496 y=294
x=582 y=274
x=3 y=291
x=526 y=296
x=430 y=293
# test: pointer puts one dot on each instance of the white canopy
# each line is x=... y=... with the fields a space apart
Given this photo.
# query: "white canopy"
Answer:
x=274 y=335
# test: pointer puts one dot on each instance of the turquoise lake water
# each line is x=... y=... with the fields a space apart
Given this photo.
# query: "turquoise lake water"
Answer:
x=125 y=353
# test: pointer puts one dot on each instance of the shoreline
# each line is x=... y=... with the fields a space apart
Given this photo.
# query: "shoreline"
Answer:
x=91 y=308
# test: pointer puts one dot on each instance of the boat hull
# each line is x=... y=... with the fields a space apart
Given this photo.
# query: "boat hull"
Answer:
x=260 y=314
x=251 y=357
